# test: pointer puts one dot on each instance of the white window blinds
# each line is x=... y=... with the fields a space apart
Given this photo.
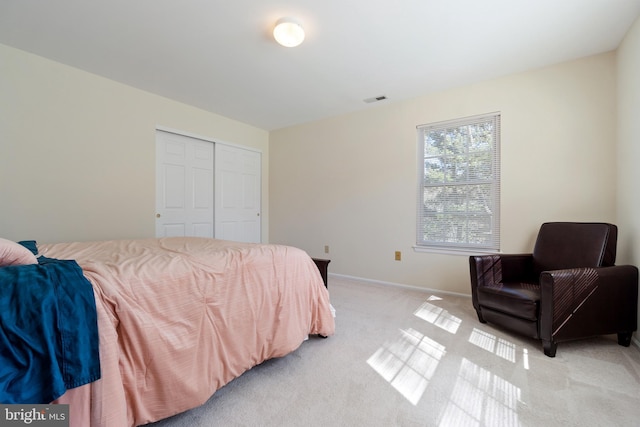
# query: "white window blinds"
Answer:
x=459 y=184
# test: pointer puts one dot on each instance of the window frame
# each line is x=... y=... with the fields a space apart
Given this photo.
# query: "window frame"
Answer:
x=492 y=245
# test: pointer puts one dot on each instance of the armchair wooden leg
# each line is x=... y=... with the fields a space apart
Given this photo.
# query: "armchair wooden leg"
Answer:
x=550 y=348
x=624 y=338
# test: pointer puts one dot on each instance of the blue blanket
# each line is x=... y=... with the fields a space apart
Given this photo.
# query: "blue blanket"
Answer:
x=48 y=331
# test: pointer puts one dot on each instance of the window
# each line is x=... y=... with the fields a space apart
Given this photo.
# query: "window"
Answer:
x=459 y=184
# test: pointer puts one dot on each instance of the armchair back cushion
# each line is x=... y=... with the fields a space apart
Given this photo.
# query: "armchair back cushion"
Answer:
x=563 y=245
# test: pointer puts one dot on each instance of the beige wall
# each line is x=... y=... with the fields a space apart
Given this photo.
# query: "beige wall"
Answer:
x=629 y=147
x=350 y=181
x=77 y=162
x=77 y=151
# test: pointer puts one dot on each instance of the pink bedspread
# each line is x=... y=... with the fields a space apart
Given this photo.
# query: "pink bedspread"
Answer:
x=181 y=317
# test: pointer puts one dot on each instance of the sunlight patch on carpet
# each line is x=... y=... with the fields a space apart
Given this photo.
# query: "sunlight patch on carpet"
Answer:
x=501 y=347
x=481 y=398
x=439 y=317
x=408 y=363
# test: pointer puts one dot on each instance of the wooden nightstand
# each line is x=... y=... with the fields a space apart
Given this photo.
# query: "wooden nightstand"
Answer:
x=323 y=265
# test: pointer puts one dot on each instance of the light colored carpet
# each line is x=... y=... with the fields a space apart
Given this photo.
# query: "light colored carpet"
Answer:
x=410 y=358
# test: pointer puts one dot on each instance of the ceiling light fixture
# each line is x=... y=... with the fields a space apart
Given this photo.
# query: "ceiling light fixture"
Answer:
x=288 y=32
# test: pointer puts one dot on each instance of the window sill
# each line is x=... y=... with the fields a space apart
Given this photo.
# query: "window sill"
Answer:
x=455 y=251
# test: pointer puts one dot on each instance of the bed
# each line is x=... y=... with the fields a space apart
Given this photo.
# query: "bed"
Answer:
x=178 y=318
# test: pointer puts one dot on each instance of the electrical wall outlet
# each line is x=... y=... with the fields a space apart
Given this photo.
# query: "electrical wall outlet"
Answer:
x=326 y=249
x=398 y=256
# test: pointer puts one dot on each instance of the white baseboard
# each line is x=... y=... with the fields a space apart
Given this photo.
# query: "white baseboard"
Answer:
x=396 y=285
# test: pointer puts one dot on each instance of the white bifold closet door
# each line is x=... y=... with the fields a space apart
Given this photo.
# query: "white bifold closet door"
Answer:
x=238 y=194
x=207 y=189
x=184 y=186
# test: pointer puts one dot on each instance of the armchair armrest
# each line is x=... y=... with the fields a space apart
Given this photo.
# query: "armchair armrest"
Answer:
x=588 y=301
x=487 y=270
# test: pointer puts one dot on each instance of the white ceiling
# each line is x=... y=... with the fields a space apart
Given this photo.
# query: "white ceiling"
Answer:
x=218 y=54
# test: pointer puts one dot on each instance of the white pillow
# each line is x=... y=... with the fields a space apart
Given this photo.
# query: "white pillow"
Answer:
x=12 y=253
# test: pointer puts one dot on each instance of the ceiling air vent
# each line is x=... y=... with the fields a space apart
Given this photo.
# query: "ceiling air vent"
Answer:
x=375 y=99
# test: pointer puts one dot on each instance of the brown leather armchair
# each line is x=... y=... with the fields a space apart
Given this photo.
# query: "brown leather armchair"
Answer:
x=568 y=288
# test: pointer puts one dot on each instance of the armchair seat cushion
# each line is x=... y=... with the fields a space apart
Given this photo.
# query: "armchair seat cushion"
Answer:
x=519 y=299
